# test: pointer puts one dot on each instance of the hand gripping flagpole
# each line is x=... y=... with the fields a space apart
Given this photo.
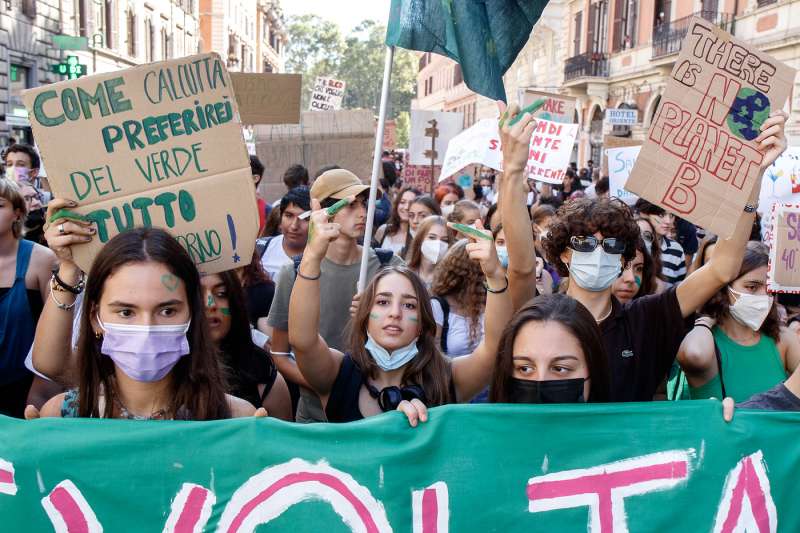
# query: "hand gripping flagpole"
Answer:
x=376 y=167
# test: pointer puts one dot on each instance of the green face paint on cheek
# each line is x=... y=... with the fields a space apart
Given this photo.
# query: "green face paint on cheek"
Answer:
x=413 y=319
x=374 y=316
x=210 y=301
x=638 y=280
x=225 y=311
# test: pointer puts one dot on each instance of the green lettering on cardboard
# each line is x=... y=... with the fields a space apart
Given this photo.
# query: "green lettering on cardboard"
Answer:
x=132 y=130
x=38 y=110
x=118 y=101
x=88 y=100
x=186 y=205
x=164 y=200
x=148 y=175
x=99 y=217
x=108 y=139
x=195 y=149
x=142 y=204
x=88 y=183
x=69 y=101
x=128 y=212
x=150 y=130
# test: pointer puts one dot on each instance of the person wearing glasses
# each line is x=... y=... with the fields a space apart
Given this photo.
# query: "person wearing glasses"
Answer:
x=591 y=241
x=673 y=259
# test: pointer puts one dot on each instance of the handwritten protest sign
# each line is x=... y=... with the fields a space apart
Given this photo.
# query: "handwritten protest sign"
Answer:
x=783 y=274
x=419 y=176
x=551 y=147
x=422 y=131
x=327 y=95
x=612 y=141
x=155 y=145
x=620 y=163
x=556 y=108
x=477 y=144
x=781 y=184
x=700 y=160
x=650 y=468
x=267 y=98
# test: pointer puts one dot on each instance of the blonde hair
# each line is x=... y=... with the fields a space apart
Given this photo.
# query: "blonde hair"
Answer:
x=11 y=192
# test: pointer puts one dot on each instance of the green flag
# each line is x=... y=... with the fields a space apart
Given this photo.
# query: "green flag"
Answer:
x=484 y=36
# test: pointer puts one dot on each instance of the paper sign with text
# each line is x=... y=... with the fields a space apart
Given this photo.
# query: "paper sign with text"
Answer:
x=550 y=151
x=783 y=274
x=327 y=95
x=477 y=144
x=267 y=98
x=423 y=132
x=155 y=145
x=620 y=163
x=700 y=160
x=557 y=107
x=612 y=141
x=781 y=184
x=419 y=176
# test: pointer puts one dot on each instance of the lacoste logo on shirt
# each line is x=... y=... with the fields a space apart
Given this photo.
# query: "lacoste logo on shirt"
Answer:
x=626 y=353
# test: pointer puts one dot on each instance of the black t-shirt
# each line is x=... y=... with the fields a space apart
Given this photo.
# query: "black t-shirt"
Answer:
x=249 y=370
x=259 y=300
x=778 y=398
x=641 y=339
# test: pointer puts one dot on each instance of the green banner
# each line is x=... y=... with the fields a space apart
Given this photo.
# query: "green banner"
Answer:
x=610 y=468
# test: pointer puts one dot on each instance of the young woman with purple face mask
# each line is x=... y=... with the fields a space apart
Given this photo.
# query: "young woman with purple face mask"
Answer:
x=144 y=350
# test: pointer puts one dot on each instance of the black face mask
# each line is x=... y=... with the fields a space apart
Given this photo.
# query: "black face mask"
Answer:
x=551 y=391
x=35 y=219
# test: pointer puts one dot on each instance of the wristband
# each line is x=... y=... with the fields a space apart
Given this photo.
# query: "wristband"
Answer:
x=500 y=291
x=63 y=307
x=76 y=289
x=309 y=278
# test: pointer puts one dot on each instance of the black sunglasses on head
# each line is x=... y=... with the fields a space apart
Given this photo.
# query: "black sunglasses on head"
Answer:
x=588 y=243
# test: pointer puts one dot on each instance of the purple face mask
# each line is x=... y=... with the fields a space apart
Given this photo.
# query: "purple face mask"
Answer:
x=145 y=353
x=22 y=174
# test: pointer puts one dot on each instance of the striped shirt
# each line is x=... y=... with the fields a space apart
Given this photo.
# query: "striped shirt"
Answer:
x=673 y=262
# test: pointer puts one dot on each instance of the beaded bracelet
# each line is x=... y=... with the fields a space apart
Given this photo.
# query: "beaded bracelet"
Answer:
x=76 y=289
x=64 y=307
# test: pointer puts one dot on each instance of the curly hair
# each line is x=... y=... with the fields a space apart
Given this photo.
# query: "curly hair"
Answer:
x=585 y=216
x=756 y=255
x=462 y=278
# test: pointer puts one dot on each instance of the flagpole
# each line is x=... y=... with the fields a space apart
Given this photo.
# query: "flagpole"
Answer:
x=376 y=167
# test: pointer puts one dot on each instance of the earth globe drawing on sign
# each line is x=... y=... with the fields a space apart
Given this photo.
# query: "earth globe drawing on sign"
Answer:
x=749 y=111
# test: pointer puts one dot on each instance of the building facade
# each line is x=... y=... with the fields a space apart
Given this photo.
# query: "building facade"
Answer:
x=107 y=35
x=271 y=36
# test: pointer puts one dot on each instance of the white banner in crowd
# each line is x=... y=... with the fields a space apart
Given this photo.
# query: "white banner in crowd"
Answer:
x=477 y=144
x=448 y=125
x=780 y=184
x=327 y=95
x=620 y=163
x=551 y=148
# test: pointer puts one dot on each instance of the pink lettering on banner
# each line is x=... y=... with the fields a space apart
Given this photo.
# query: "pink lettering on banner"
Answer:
x=748 y=482
x=68 y=510
x=268 y=494
x=604 y=488
x=7 y=483
x=190 y=509
x=431 y=509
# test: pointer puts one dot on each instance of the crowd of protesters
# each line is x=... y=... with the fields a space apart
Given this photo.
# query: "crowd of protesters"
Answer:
x=510 y=291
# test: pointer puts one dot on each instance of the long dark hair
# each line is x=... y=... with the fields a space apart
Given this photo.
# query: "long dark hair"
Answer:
x=428 y=369
x=577 y=319
x=393 y=225
x=649 y=274
x=756 y=255
x=197 y=381
x=414 y=253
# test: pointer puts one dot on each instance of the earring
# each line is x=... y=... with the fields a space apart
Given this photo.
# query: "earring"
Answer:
x=98 y=335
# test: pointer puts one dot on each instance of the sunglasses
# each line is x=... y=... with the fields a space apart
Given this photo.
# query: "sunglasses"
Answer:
x=648 y=236
x=588 y=243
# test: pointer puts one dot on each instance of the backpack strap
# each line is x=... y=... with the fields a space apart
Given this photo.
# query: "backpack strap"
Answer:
x=445 y=321
x=262 y=243
x=718 y=357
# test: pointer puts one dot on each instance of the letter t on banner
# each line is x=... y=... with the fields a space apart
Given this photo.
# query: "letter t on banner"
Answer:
x=604 y=488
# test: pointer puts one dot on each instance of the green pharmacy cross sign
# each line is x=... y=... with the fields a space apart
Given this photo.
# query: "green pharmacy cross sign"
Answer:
x=71 y=68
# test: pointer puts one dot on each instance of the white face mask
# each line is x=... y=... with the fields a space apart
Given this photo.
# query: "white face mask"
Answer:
x=750 y=309
x=596 y=270
x=433 y=250
x=447 y=209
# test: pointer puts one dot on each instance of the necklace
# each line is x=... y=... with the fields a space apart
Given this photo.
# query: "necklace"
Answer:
x=606 y=315
x=161 y=414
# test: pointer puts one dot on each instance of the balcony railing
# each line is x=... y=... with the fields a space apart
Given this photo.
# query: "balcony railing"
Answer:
x=592 y=64
x=668 y=37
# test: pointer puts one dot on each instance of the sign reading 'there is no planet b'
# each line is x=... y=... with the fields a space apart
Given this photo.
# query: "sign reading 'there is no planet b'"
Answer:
x=155 y=145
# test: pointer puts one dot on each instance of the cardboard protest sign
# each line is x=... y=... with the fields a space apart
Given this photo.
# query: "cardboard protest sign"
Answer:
x=612 y=141
x=327 y=95
x=700 y=160
x=654 y=466
x=267 y=98
x=620 y=163
x=551 y=148
x=783 y=274
x=781 y=184
x=557 y=107
x=477 y=144
x=423 y=133
x=419 y=176
x=155 y=145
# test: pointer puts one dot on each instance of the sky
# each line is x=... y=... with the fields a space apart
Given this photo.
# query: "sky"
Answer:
x=346 y=13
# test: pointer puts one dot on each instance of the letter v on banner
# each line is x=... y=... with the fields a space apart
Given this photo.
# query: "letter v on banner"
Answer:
x=604 y=488
x=68 y=510
x=746 y=499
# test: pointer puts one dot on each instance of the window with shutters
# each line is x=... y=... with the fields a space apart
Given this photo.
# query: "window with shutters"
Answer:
x=599 y=27
x=625 y=24
x=576 y=41
x=131 y=32
x=108 y=25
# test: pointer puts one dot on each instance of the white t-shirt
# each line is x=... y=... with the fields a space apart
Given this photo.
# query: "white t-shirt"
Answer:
x=395 y=242
x=274 y=257
x=458 y=341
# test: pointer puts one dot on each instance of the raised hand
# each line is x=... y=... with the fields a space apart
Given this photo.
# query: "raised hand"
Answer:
x=772 y=140
x=65 y=229
x=516 y=139
x=481 y=248
x=321 y=232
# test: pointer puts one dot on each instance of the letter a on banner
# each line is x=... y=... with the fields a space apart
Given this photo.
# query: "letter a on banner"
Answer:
x=746 y=500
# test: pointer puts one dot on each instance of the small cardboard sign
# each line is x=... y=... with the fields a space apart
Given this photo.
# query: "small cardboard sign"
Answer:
x=423 y=134
x=783 y=274
x=267 y=98
x=477 y=144
x=155 y=145
x=612 y=141
x=550 y=150
x=327 y=95
x=620 y=163
x=780 y=185
x=419 y=176
x=557 y=107
x=700 y=160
